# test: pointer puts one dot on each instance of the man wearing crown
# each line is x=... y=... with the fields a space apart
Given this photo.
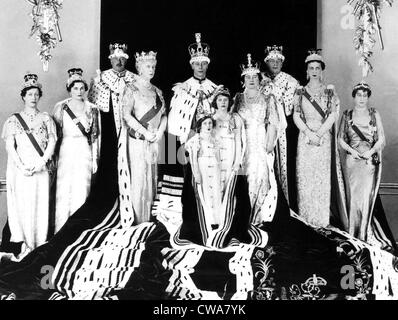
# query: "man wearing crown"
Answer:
x=106 y=92
x=192 y=96
x=283 y=86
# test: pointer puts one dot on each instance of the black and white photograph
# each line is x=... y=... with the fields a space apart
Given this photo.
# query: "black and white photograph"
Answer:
x=223 y=151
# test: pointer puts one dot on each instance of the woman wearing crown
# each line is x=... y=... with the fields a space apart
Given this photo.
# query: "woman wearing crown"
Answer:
x=361 y=135
x=30 y=137
x=260 y=118
x=145 y=115
x=78 y=129
x=320 y=188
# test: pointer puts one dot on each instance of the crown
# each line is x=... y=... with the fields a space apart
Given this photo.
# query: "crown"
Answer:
x=199 y=51
x=251 y=67
x=362 y=85
x=314 y=55
x=74 y=71
x=31 y=80
x=274 y=52
x=145 y=56
x=118 y=50
x=203 y=114
x=222 y=91
x=75 y=74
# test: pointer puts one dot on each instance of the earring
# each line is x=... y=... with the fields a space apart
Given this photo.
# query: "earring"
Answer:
x=308 y=76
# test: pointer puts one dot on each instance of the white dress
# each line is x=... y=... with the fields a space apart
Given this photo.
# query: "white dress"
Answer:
x=258 y=164
x=225 y=134
x=210 y=191
x=28 y=196
x=144 y=156
x=75 y=164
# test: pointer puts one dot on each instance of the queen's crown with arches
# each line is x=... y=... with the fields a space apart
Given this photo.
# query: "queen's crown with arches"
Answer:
x=250 y=67
x=199 y=51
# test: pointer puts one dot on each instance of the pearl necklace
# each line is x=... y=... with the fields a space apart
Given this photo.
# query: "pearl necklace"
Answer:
x=252 y=100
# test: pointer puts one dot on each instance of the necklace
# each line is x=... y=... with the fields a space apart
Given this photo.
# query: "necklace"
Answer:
x=30 y=115
x=316 y=87
x=145 y=83
x=252 y=100
x=315 y=91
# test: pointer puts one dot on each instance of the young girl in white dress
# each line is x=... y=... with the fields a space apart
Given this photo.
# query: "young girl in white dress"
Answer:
x=206 y=169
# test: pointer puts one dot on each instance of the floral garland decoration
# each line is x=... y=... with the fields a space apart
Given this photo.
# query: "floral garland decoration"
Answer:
x=45 y=23
x=367 y=13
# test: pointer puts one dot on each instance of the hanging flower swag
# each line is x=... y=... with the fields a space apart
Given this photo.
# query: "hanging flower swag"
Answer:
x=45 y=24
x=367 y=13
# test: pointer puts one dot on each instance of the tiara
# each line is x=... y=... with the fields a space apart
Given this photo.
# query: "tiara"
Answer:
x=274 y=52
x=203 y=114
x=31 y=80
x=251 y=67
x=314 y=55
x=75 y=74
x=145 y=56
x=118 y=50
x=362 y=85
x=199 y=51
x=73 y=71
x=222 y=91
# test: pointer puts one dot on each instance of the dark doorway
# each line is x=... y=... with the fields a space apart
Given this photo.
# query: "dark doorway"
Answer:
x=232 y=29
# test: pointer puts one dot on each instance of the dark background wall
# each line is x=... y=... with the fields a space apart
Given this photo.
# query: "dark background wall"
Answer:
x=231 y=28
